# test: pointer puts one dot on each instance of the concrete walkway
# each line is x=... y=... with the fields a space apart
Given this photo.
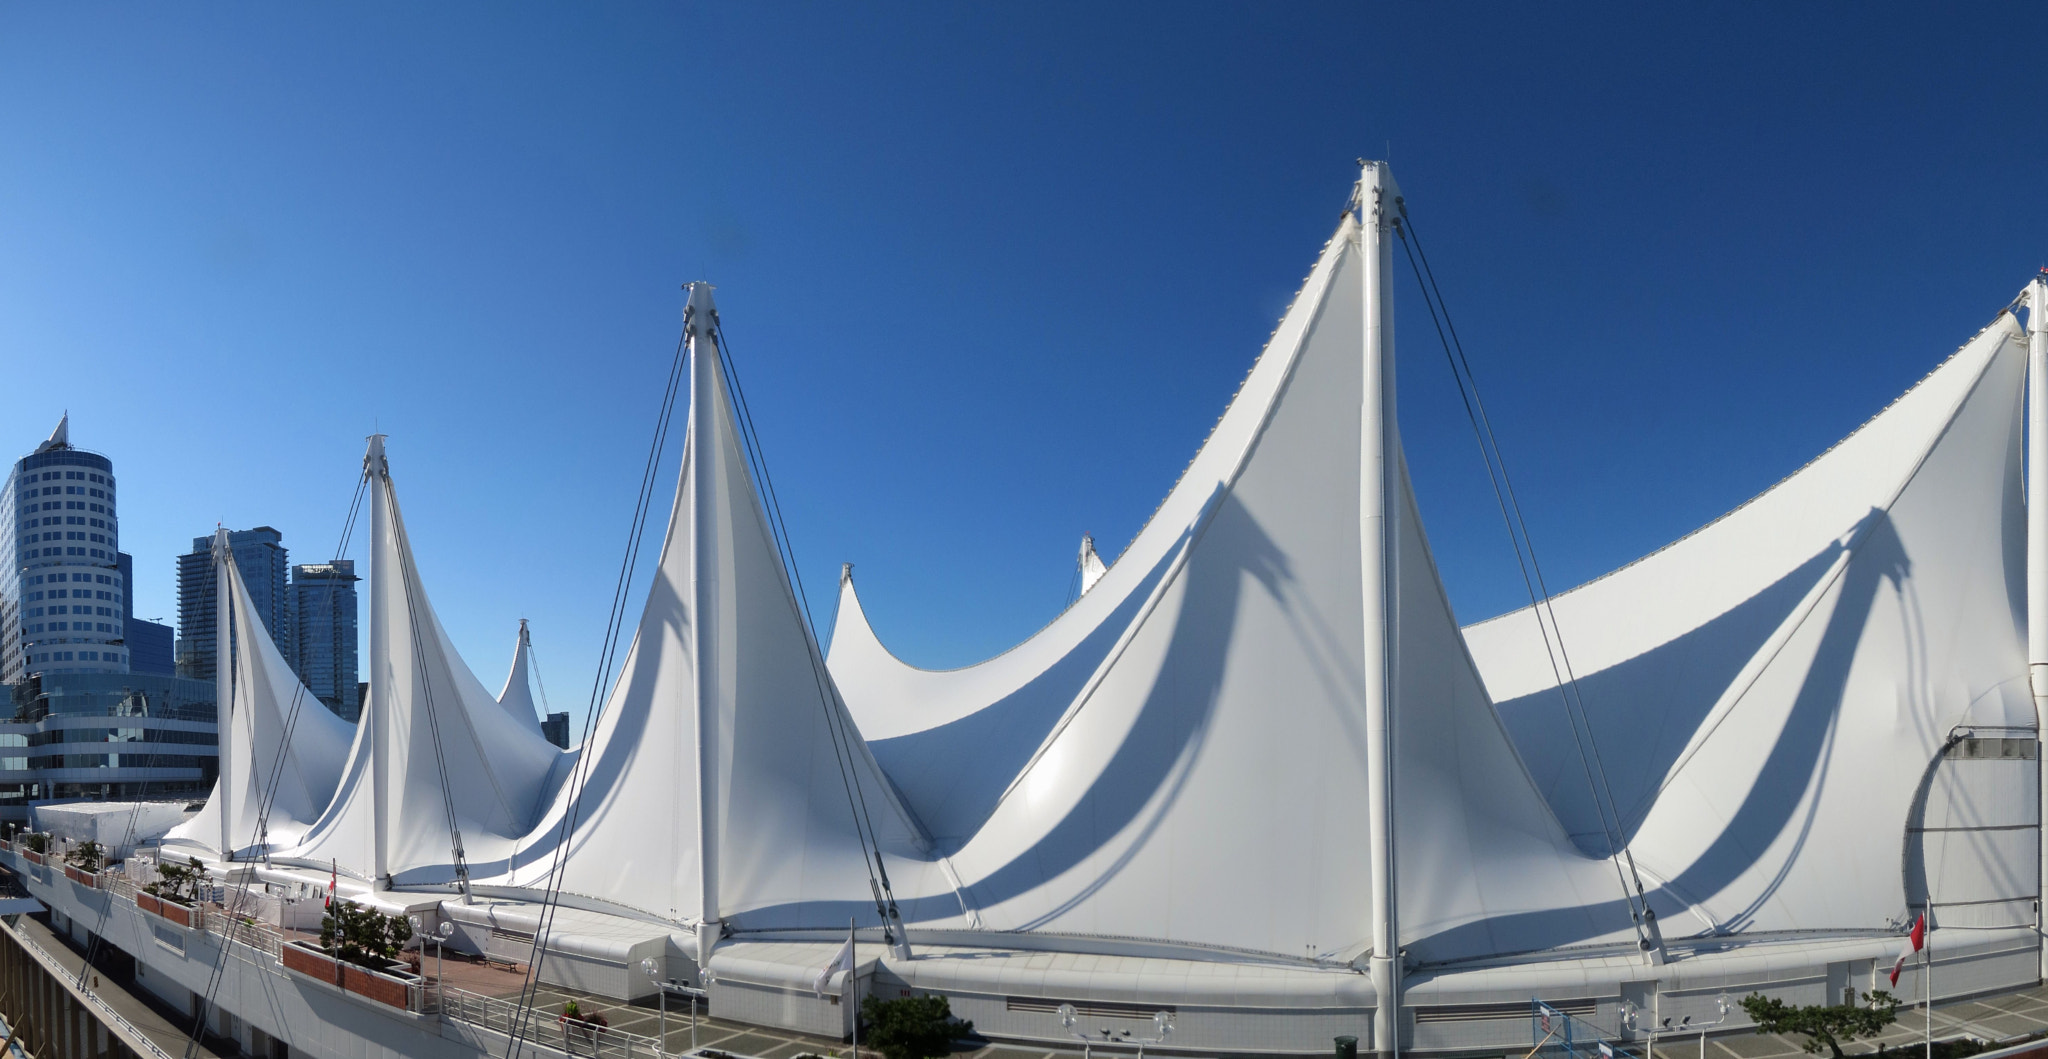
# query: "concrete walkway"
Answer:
x=169 y=1036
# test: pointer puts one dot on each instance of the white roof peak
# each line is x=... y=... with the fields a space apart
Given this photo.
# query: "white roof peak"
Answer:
x=60 y=438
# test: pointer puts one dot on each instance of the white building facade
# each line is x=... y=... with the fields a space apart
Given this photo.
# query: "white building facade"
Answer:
x=62 y=593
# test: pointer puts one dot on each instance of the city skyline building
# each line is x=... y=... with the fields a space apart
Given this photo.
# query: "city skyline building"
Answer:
x=324 y=633
x=63 y=595
x=265 y=564
x=105 y=736
x=150 y=648
x=556 y=728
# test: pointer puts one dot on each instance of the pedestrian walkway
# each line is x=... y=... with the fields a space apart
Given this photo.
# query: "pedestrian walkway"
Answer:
x=163 y=1032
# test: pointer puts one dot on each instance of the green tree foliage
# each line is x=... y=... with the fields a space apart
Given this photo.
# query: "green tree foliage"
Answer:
x=912 y=1027
x=1824 y=1025
x=38 y=841
x=178 y=882
x=363 y=936
x=86 y=856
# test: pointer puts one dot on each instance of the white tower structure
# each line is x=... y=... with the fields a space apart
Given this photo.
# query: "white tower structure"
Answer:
x=61 y=592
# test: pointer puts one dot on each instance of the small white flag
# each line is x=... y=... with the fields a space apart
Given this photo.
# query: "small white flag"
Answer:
x=841 y=962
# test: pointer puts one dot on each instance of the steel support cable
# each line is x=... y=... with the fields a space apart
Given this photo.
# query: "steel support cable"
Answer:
x=1534 y=565
x=419 y=653
x=1503 y=499
x=835 y=723
x=269 y=795
x=607 y=652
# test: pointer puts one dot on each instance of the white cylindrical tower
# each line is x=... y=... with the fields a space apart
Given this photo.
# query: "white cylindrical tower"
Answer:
x=64 y=579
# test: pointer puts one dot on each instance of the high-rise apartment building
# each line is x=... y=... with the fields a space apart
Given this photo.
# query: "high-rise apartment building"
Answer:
x=324 y=633
x=63 y=597
x=260 y=555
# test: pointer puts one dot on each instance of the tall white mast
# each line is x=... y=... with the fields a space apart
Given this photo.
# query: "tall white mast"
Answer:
x=223 y=685
x=376 y=712
x=698 y=318
x=1376 y=534
x=2037 y=552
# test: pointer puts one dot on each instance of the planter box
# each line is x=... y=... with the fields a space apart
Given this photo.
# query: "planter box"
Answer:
x=170 y=910
x=82 y=878
x=392 y=987
x=33 y=856
x=304 y=959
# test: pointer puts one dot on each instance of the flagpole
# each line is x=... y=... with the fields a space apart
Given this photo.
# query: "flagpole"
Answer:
x=852 y=973
x=1927 y=991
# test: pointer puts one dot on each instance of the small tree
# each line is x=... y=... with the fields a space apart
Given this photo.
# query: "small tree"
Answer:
x=178 y=882
x=1824 y=1024
x=86 y=856
x=38 y=841
x=361 y=935
x=912 y=1027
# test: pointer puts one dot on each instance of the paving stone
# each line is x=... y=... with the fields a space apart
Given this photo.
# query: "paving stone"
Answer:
x=1756 y=1046
x=749 y=1044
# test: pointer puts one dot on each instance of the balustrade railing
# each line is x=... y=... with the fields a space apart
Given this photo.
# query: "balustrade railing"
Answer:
x=567 y=1035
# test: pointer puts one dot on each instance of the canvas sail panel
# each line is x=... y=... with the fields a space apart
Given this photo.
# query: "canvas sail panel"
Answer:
x=436 y=761
x=953 y=741
x=1657 y=643
x=1805 y=771
x=287 y=749
x=1483 y=867
x=1211 y=788
x=789 y=773
x=633 y=837
x=517 y=697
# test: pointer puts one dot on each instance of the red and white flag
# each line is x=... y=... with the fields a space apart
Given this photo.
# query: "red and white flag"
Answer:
x=1914 y=943
x=334 y=876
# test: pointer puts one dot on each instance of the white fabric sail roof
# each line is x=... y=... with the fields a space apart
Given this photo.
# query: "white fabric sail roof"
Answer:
x=1090 y=564
x=1766 y=691
x=784 y=761
x=434 y=757
x=517 y=697
x=282 y=749
x=1181 y=754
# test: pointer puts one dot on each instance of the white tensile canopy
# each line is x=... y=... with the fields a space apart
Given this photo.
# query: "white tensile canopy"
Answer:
x=435 y=766
x=282 y=750
x=1767 y=693
x=1182 y=754
x=517 y=696
x=769 y=782
x=1260 y=734
x=1179 y=755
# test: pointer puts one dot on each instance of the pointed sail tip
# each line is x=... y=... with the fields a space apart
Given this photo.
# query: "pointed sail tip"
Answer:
x=60 y=438
x=845 y=573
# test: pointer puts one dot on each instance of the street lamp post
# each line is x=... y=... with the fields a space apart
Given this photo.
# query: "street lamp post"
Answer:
x=440 y=943
x=660 y=987
x=1686 y=1025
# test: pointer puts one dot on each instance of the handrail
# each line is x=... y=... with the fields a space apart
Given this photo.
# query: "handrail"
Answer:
x=50 y=964
x=497 y=1015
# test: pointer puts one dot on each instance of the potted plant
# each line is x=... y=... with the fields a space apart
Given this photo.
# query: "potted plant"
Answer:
x=584 y=1026
x=175 y=891
x=82 y=863
x=357 y=950
x=38 y=846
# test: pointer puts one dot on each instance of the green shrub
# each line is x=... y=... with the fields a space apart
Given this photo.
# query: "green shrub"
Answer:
x=1824 y=1025
x=912 y=1027
x=86 y=856
x=363 y=936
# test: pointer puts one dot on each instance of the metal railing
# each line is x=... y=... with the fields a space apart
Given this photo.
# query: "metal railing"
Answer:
x=50 y=964
x=571 y=1038
x=489 y=1013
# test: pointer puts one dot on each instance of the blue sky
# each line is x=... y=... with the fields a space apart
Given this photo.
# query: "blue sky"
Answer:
x=989 y=272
